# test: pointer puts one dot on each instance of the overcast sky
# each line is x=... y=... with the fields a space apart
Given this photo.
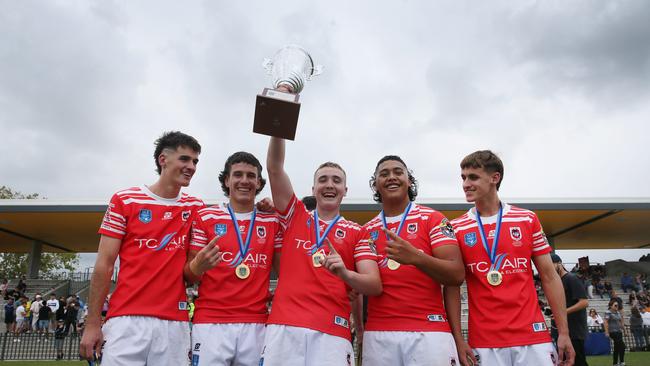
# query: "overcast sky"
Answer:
x=559 y=89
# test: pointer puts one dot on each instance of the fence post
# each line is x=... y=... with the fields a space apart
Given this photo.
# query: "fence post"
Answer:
x=4 y=346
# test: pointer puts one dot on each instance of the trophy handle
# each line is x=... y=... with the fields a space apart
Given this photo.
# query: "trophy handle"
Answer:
x=316 y=70
x=267 y=64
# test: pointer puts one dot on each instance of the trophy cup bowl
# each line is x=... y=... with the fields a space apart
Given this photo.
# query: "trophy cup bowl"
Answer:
x=277 y=108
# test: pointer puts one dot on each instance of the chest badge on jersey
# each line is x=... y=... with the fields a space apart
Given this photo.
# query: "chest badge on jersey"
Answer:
x=412 y=228
x=145 y=216
x=185 y=215
x=220 y=229
x=339 y=233
x=515 y=233
x=470 y=239
x=261 y=232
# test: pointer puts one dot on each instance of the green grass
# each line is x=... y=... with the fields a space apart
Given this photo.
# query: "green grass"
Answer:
x=631 y=359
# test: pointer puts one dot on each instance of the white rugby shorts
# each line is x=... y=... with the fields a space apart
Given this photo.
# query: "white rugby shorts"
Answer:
x=542 y=354
x=145 y=340
x=397 y=348
x=236 y=344
x=295 y=346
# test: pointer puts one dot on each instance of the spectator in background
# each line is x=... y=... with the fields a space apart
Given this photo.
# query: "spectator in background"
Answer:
x=35 y=308
x=636 y=326
x=21 y=286
x=60 y=312
x=590 y=290
x=638 y=282
x=59 y=337
x=53 y=304
x=614 y=296
x=627 y=282
x=21 y=315
x=614 y=327
x=576 y=305
x=594 y=320
x=10 y=315
x=645 y=316
x=4 y=285
x=608 y=289
x=71 y=312
x=44 y=312
x=633 y=301
x=599 y=288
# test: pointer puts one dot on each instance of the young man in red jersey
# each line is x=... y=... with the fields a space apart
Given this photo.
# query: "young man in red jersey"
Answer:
x=322 y=258
x=230 y=315
x=417 y=253
x=499 y=243
x=148 y=227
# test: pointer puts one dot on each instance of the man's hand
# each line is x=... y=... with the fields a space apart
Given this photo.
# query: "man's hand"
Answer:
x=265 y=205
x=466 y=354
x=566 y=354
x=333 y=261
x=207 y=258
x=91 y=342
x=400 y=250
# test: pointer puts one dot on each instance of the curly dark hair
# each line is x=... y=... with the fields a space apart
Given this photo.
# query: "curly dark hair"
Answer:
x=173 y=140
x=413 y=183
x=241 y=157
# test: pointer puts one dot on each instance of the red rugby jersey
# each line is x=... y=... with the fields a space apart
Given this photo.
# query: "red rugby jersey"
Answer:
x=411 y=300
x=506 y=315
x=155 y=239
x=223 y=297
x=307 y=296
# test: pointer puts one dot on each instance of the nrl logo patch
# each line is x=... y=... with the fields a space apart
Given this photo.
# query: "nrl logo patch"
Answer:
x=145 y=215
x=470 y=239
x=220 y=229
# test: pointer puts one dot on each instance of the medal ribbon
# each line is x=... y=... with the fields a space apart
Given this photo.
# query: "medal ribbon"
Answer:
x=401 y=223
x=495 y=260
x=243 y=247
x=320 y=239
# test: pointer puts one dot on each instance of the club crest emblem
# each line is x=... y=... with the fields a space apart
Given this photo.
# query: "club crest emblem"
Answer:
x=145 y=215
x=261 y=232
x=220 y=229
x=412 y=228
x=185 y=215
x=470 y=239
x=374 y=235
x=515 y=233
x=340 y=234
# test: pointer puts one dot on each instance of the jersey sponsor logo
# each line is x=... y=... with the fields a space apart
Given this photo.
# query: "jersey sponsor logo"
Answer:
x=470 y=239
x=145 y=215
x=515 y=233
x=539 y=327
x=412 y=228
x=509 y=266
x=185 y=215
x=435 y=318
x=182 y=305
x=197 y=347
x=261 y=232
x=341 y=321
x=447 y=229
x=220 y=229
x=169 y=242
x=167 y=215
x=491 y=234
x=195 y=360
x=251 y=259
x=339 y=233
x=452 y=361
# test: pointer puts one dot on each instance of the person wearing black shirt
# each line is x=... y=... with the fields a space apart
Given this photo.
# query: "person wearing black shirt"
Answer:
x=576 y=305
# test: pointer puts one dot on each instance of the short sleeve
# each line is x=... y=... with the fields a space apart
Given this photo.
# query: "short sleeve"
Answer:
x=540 y=242
x=440 y=231
x=115 y=219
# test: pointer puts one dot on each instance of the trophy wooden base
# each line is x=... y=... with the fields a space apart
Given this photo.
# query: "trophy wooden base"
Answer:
x=276 y=114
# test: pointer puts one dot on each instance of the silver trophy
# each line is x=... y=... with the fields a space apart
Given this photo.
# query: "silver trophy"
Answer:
x=277 y=108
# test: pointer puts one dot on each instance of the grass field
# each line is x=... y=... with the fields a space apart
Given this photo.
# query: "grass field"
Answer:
x=631 y=359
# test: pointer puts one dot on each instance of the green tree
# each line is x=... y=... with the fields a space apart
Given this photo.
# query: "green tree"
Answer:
x=53 y=265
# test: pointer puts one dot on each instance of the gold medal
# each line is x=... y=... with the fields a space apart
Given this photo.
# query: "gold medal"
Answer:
x=317 y=259
x=393 y=265
x=242 y=271
x=494 y=278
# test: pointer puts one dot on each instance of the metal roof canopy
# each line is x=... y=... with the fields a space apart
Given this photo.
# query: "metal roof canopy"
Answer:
x=71 y=226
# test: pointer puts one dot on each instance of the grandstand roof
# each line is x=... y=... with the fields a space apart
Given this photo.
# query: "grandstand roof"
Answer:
x=71 y=226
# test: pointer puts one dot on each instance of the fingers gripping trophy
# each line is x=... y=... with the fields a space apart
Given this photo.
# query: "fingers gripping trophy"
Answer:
x=277 y=108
